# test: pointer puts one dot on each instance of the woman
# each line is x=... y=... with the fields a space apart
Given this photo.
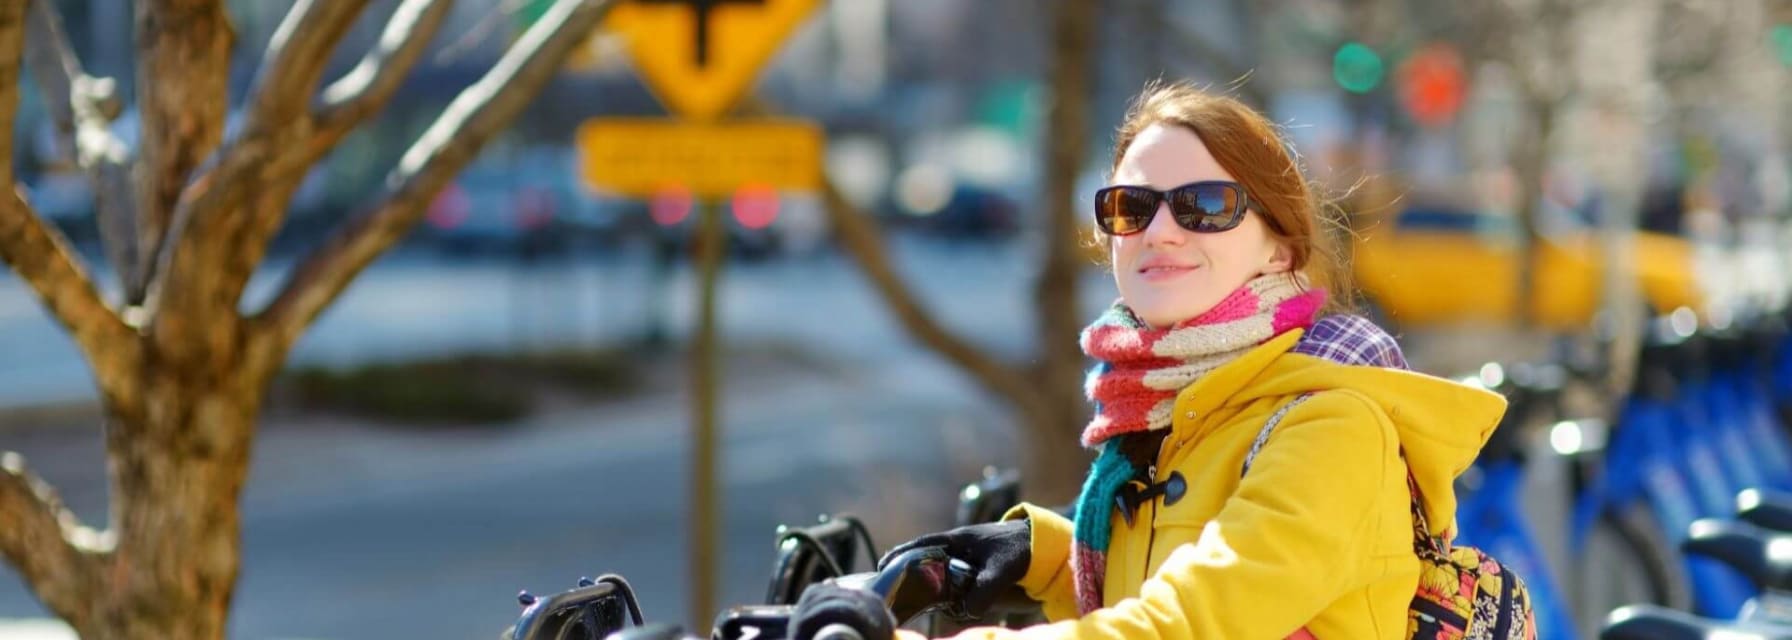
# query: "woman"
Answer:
x=1216 y=248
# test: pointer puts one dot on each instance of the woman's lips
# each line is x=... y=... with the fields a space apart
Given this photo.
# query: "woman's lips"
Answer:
x=1162 y=273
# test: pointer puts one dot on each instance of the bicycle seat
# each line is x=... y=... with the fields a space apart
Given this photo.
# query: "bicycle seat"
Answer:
x=595 y=609
x=989 y=498
x=807 y=555
x=1760 y=554
x=1766 y=509
x=1651 y=622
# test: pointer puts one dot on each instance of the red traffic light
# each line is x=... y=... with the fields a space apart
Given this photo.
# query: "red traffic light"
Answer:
x=1432 y=85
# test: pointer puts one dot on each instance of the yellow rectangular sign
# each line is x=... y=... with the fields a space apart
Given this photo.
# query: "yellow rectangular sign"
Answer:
x=645 y=156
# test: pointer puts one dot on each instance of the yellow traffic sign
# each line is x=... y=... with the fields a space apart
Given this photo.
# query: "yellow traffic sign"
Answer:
x=698 y=56
x=643 y=157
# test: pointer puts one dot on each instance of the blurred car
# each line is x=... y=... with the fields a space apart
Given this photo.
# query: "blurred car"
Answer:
x=483 y=212
x=968 y=212
x=1430 y=265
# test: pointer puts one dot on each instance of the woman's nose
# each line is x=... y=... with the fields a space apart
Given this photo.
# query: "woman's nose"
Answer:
x=1163 y=228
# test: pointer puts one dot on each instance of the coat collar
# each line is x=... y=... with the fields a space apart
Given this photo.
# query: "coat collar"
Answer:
x=1221 y=385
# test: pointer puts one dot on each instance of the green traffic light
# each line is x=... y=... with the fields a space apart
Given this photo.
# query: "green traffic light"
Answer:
x=1782 y=42
x=1357 y=68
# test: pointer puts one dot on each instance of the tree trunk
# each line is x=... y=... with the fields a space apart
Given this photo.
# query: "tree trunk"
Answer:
x=1056 y=463
x=176 y=479
x=1054 y=427
x=1532 y=161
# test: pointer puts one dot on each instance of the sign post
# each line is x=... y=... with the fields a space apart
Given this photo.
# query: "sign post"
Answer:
x=699 y=57
x=705 y=510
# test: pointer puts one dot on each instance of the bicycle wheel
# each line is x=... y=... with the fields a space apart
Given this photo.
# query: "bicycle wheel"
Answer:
x=1626 y=560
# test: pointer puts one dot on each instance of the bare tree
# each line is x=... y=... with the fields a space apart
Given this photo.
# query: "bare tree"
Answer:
x=186 y=217
x=1047 y=395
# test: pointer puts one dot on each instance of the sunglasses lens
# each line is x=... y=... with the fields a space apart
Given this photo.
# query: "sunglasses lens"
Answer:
x=1124 y=210
x=1205 y=207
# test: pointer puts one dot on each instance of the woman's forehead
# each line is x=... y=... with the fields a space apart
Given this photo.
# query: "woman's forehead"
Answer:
x=1165 y=156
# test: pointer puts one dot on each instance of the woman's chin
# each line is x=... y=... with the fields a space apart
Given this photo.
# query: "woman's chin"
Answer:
x=1163 y=319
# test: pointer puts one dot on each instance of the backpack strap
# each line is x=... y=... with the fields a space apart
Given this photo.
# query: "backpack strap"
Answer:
x=1423 y=540
x=1268 y=426
x=1421 y=531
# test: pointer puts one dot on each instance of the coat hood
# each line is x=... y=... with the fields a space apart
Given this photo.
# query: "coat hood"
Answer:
x=1442 y=424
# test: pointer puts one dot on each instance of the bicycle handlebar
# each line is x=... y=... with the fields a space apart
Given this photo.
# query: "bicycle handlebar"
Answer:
x=920 y=581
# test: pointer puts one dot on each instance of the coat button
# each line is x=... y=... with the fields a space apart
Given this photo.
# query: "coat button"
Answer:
x=1174 y=488
x=1190 y=415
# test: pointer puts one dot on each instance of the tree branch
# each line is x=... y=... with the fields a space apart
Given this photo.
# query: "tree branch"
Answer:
x=861 y=242
x=477 y=114
x=51 y=549
x=365 y=90
x=40 y=538
x=223 y=220
x=40 y=255
x=82 y=107
x=12 y=44
x=183 y=74
x=860 y=239
x=295 y=60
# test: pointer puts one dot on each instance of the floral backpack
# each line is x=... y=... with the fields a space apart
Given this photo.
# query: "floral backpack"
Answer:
x=1463 y=592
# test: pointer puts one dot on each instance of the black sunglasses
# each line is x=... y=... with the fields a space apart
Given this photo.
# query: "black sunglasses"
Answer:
x=1209 y=206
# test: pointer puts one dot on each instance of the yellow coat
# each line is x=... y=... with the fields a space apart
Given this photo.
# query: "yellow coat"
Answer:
x=1318 y=534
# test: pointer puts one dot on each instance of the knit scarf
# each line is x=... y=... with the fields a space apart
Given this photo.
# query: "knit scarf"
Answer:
x=1134 y=387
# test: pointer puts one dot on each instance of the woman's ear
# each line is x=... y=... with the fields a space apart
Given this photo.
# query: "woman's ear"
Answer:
x=1281 y=259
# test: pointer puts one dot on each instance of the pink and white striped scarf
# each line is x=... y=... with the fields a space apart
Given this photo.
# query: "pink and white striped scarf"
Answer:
x=1142 y=369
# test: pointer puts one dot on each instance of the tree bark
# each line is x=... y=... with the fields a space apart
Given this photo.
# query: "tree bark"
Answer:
x=177 y=476
x=183 y=75
x=53 y=551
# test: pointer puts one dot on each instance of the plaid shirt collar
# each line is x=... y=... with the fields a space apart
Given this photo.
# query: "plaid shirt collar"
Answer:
x=1351 y=340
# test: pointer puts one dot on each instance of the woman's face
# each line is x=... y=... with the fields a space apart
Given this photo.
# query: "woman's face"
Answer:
x=1168 y=274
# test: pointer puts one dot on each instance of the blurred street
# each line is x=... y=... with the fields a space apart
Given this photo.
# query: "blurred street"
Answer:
x=353 y=530
x=419 y=304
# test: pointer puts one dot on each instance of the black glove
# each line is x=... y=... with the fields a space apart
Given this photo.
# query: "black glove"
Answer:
x=826 y=603
x=998 y=551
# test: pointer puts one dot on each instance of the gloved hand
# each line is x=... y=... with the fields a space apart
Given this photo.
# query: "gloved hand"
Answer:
x=825 y=603
x=998 y=551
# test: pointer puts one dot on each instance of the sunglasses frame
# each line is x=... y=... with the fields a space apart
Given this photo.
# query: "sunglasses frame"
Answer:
x=1190 y=222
